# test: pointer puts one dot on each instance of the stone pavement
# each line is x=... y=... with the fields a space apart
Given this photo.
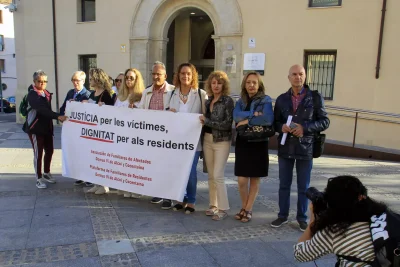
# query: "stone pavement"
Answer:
x=63 y=226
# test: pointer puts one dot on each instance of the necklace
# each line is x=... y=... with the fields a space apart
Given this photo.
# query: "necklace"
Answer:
x=183 y=97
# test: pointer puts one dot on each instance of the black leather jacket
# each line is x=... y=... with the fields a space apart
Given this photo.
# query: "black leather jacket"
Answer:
x=220 y=120
x=313 y=119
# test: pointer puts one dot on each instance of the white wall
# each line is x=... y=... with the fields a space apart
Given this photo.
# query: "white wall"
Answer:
x=10 y=75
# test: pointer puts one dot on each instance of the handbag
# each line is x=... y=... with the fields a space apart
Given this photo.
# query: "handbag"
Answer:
x=319 y=139
x=256 y=132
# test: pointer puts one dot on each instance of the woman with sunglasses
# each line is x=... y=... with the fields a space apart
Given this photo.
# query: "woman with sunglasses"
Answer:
x=100 y=83
x=129 y=97
x=118 y=83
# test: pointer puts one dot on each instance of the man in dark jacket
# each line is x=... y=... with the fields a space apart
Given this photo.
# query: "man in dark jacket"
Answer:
x=39 y=126
x=298 y=147
x=79 y=93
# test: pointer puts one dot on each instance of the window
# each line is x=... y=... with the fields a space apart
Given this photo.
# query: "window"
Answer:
x=324 y=3
x=3 y=65
x=87 y=62
x=1 y=42
x=86 y=10
x=320 y=69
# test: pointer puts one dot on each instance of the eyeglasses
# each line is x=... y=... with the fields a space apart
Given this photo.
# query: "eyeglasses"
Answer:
x=118 y=80
x=129 y=78
x=76 y=80
x=41 y=81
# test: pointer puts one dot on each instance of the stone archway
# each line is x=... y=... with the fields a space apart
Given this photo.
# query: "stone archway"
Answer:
x=151 y=21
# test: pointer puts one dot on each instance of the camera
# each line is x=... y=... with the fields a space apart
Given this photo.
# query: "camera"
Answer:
x=317 y=198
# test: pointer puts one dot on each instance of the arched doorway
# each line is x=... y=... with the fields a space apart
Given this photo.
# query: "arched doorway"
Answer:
x=190 y=40
x=151 y=23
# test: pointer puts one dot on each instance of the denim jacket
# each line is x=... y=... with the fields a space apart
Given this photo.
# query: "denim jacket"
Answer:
x=263 y=105
x=220 y=120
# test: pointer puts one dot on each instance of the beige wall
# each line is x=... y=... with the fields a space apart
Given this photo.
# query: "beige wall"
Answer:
x=283 y=30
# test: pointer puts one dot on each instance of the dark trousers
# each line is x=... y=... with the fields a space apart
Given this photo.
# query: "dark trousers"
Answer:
x=40 y=143
x=303 y=170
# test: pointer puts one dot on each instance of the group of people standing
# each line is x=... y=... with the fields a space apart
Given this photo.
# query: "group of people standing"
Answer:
x=217 y=112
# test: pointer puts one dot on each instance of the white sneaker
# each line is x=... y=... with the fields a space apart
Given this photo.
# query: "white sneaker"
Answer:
x=127 y=194
x=49 y=178
x=133 y=195
x=102 y=190
x=93 y=189
x=41 y=184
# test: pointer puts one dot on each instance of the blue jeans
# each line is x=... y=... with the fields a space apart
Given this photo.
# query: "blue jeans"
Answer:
x=303 y=170
x=191 y=188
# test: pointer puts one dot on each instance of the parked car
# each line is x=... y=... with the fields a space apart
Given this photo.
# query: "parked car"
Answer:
x=7 y=106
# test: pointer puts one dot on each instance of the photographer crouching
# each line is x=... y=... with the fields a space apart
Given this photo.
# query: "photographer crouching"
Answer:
x=340 y=223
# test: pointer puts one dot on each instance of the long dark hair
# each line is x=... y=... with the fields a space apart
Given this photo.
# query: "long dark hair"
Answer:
x=347 y=203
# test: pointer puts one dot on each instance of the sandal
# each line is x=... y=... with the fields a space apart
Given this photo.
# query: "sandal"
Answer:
x=239 y=215
x=211 y=211
x=247 y=216
x=189 y=210
x=178 y=207
x=220 y=215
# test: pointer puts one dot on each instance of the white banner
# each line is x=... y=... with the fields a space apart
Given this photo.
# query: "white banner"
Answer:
x=142 y=151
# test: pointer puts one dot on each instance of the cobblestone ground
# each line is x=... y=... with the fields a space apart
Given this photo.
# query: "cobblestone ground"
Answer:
x=64 y=226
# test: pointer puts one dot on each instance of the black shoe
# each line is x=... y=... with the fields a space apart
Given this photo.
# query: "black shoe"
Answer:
x=156 y=200
x=87 y=184
x=303 y=226
x=167 y=204
x=79 y=182
x=279 y=222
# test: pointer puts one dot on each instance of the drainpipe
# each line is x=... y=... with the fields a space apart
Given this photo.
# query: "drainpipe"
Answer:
x=53 y=3
x=378 y=60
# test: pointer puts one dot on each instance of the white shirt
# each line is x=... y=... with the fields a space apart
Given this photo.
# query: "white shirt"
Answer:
x=184 y=107
x=125 y=103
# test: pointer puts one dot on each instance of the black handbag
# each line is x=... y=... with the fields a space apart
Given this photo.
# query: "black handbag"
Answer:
x=319 y=139
x=256 y=132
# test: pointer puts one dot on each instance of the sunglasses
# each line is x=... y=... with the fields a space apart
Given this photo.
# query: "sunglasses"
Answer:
x=76 y=80
x=41 y=81
x=118 y=80
x=129 y=78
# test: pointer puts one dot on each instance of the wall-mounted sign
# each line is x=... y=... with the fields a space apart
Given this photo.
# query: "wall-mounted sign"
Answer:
x=254 y=61
x=230 y=64
x=324 y=3
x=252 y=42
x=123 y=48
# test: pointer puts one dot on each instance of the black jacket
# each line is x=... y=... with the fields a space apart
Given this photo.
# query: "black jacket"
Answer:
x=220 y=119
x=313 y=119
x=82 y=95
x=40 y=117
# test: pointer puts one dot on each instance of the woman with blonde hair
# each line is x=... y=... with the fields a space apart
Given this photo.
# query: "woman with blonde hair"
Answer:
x=187 y=98
x=101 y=95
x=254 y=108
x=217 y=130
x=129 y=96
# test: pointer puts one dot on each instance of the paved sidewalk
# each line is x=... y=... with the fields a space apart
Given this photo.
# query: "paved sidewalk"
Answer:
x=63 y=226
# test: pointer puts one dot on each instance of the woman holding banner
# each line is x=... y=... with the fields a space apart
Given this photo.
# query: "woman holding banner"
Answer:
x=189 y=99
x=217 y=130
x=100 y=82
x=254 y=108
x=129 y=96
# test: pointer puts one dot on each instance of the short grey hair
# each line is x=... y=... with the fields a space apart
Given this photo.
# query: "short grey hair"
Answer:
x=159 y=63
x=80 y=74
x=38 y=73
